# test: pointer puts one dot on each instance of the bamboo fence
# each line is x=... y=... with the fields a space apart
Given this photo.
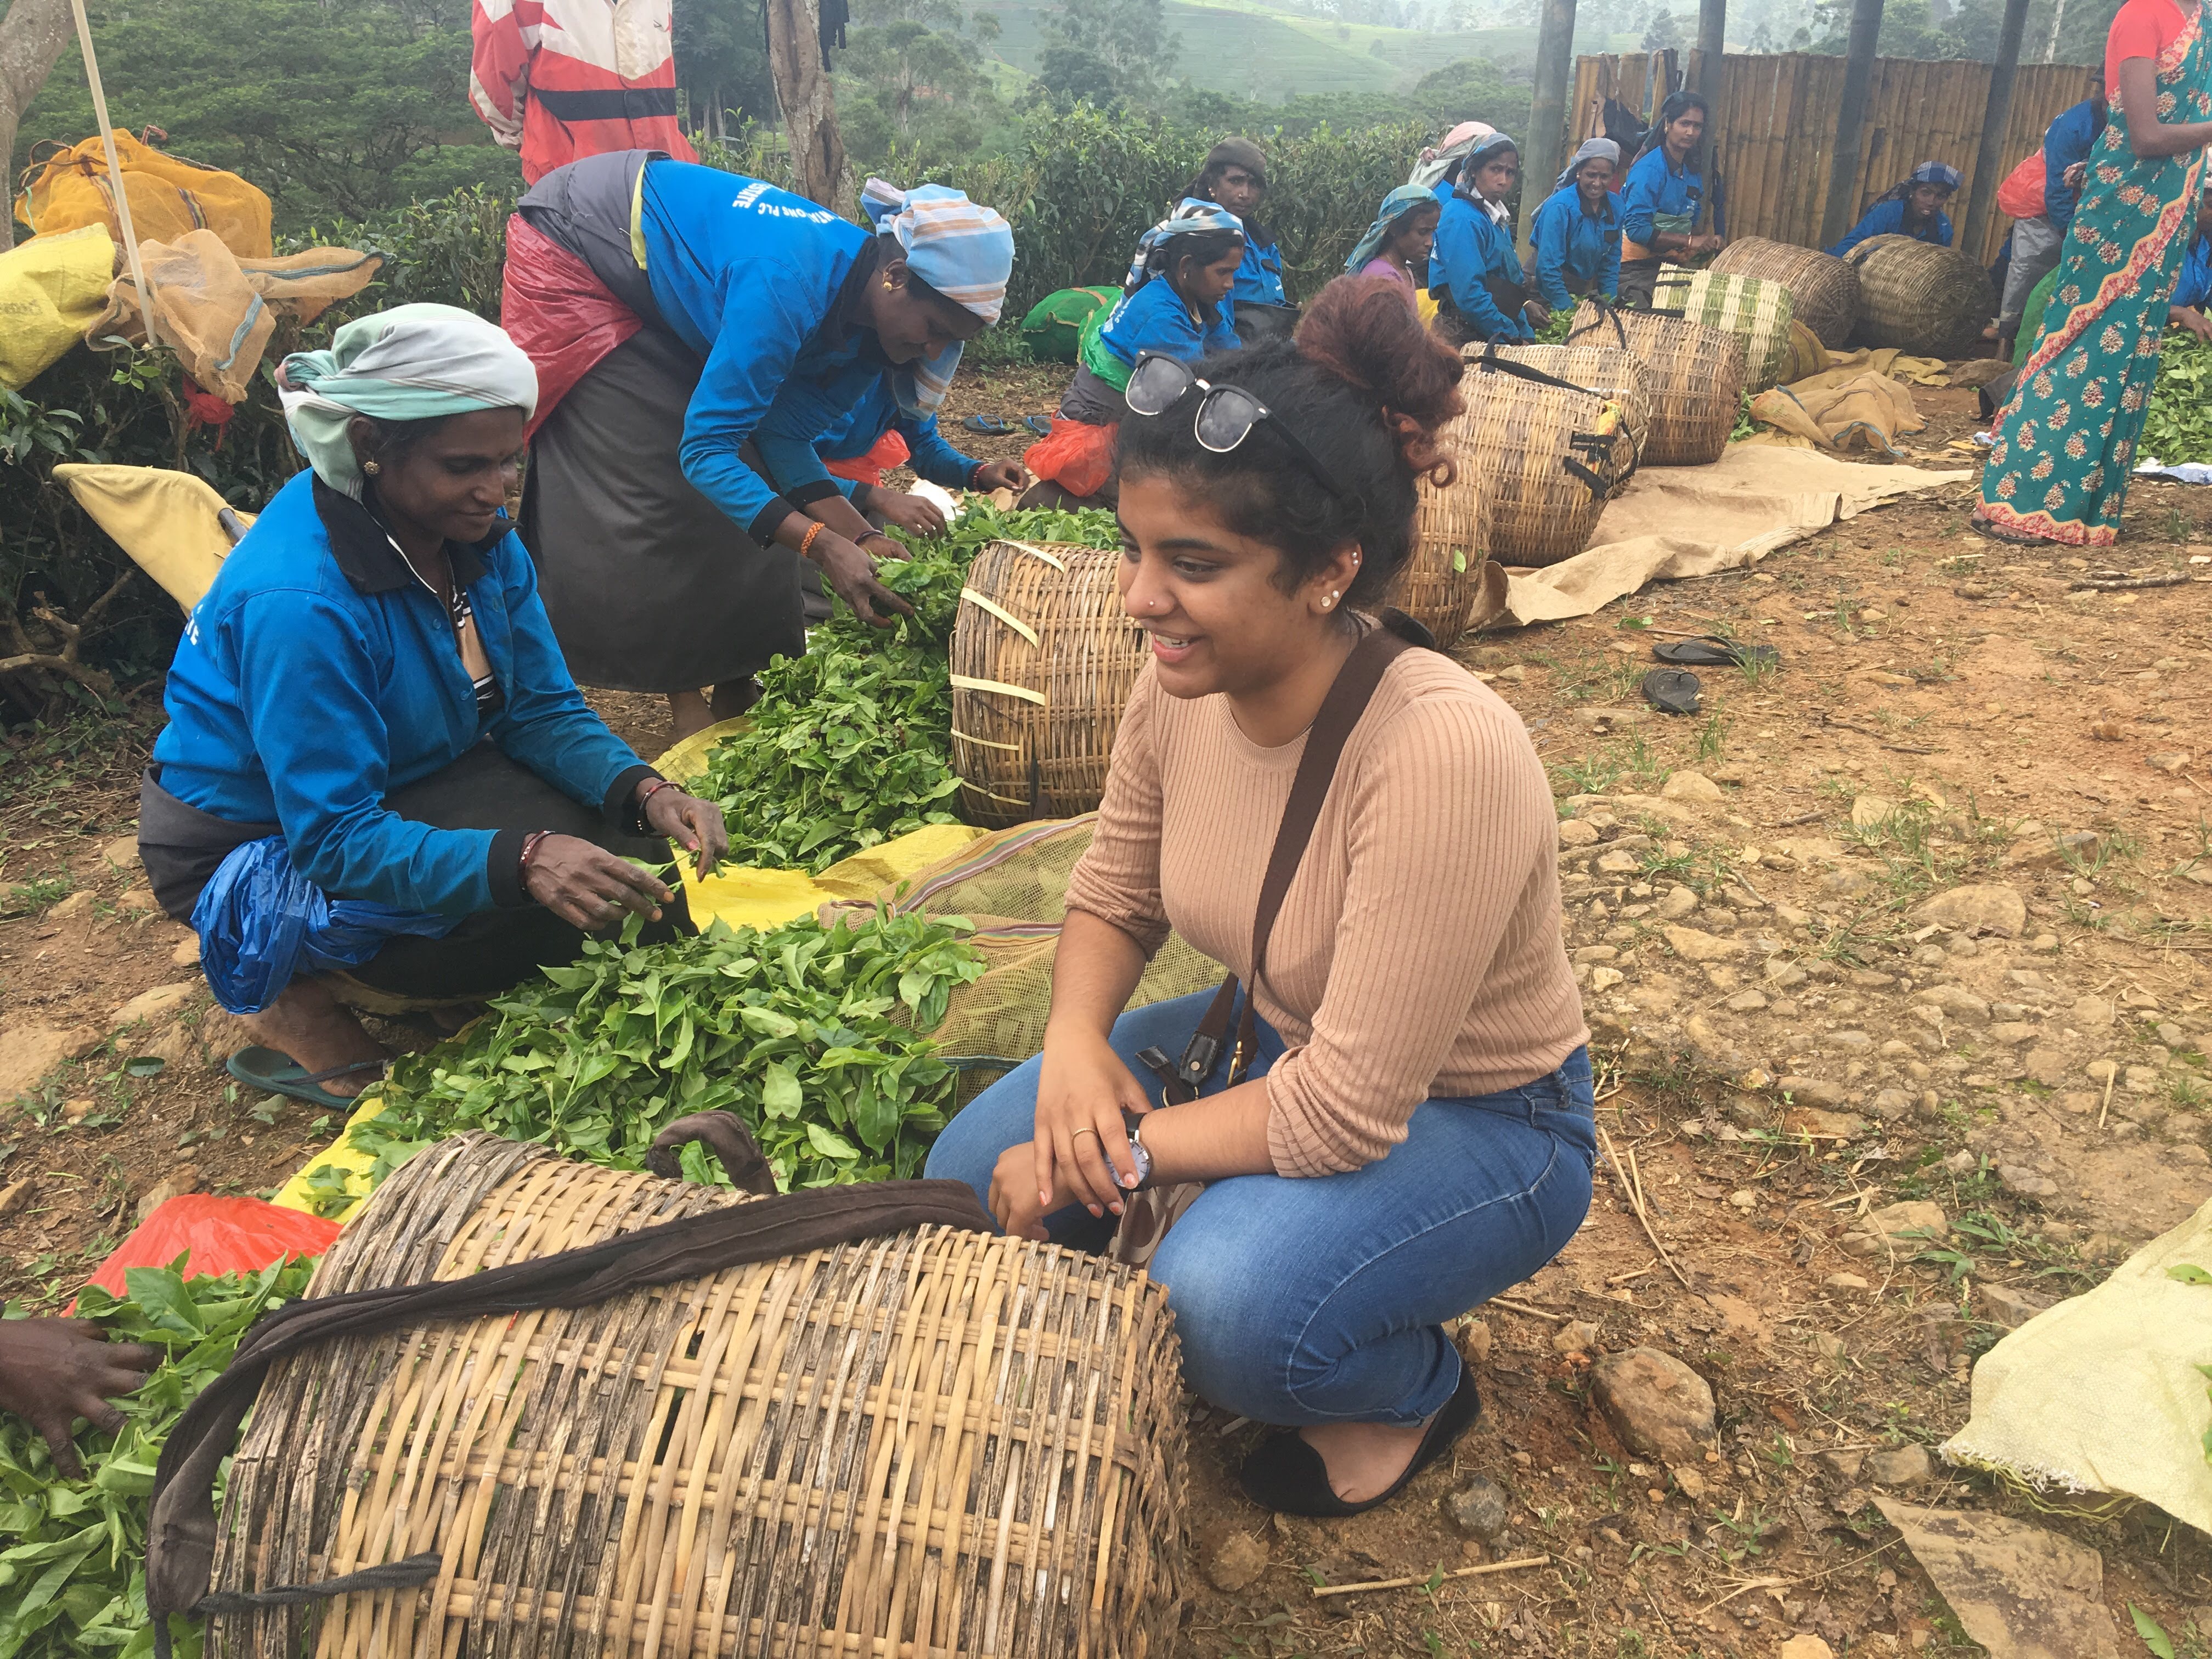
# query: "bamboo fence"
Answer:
x=1775 y=128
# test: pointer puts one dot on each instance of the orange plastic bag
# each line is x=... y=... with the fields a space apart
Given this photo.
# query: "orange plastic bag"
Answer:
x=889 y=451
x=170 y=197
x=220 y=1234
x=2021 y=196
x=1075 y=455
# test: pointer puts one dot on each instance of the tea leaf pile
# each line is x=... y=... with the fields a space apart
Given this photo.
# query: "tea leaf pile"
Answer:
x=851 y=744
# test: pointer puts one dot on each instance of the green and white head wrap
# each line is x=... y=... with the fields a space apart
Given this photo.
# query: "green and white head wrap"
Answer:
x=409 y=363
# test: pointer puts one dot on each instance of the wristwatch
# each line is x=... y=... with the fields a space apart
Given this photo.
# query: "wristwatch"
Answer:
x=1134 y=1123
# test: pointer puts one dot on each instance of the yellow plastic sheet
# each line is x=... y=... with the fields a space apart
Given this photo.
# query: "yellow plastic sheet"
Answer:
x=168 y=522
x=52 y=289
x=342 y=1154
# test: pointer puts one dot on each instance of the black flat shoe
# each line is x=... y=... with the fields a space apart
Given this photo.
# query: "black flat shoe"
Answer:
x=1285 y=1474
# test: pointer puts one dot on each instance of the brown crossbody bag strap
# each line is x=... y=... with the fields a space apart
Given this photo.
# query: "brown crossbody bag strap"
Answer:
x=1340 y=711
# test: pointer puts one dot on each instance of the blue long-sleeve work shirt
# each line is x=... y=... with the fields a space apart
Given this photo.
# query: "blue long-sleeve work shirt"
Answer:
x=1570 y=242
x=1652 y=188
x=1156 y=319
x=2194 y=286
x=2070 y=136
x=1470 y=248
x=1888 y=219
x=760 y=283
x=1260 y=276
x=930 y=455
x=318 y=674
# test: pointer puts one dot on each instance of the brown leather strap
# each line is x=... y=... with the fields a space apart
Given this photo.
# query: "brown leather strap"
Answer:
x=1348 y=696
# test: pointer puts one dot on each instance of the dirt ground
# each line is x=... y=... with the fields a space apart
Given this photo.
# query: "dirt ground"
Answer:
x=1787 y=1042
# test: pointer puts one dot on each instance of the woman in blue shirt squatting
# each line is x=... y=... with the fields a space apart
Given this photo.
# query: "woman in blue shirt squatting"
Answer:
x=1235 y=177
x=1474 y=274
x=1184 y=268
x=2192 y=289
x=1576 y=231
x=720 y=306
x=1659 y=200
x=1912 y=207
x=372 y=731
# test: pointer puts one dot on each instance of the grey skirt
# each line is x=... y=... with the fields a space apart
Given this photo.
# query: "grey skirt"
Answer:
x=649 y=586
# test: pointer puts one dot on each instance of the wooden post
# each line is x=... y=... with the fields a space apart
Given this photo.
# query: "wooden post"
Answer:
x=810 y=107
x=1841 y=207
x=1543 y=155
x=1990 y=160
x=1712 y=27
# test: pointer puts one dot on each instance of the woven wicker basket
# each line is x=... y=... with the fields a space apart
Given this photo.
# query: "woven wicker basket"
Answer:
x=1445 y=581
x=1824 y=289
x=1546 y=458
x=937 y=1443
x=1758 y=312
x=1043 y=660
x=1603 y=369
x=1695 y=374
x=1927 y=301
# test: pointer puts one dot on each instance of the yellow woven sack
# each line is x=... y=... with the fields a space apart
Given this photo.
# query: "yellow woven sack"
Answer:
x=50 y=288
x=169 y=196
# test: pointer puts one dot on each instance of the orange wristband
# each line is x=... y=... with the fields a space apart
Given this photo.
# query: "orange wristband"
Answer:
x=807 y=541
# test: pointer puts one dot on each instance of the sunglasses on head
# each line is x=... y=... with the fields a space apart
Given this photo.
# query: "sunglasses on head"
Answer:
x=1226 y=415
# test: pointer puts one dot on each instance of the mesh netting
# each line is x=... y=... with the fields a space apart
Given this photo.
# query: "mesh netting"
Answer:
x=1013 y=886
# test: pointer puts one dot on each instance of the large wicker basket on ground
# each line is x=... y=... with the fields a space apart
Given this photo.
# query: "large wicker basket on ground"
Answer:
x=1924 y=299
x=1603 y=369
x=1824 y=289
x=938 y=1441
x=1756 y=311
x=1043 y=660
x=1449 y=584
x=1695 y=374
x=1546 y=456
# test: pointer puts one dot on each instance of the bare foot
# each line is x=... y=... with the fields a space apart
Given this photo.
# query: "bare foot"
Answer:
x=690 y=713
x=733 y=697
x=309 y=1025
x=1363 y=1459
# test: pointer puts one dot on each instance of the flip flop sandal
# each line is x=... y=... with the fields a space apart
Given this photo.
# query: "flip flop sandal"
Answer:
x=1288 y=1476
x=1713 y=652
x=1039 y=424
x=989 y=425
x=280 y=1074
x=1672 y=690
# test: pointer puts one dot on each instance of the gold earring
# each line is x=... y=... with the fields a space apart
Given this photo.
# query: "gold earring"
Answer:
x=887 y=284
x=372 y=468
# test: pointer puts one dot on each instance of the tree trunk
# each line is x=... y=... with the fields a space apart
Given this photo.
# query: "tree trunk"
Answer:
x=804 y=93
x=33 y=35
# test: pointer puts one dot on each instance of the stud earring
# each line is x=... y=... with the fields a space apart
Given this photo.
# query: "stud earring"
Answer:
x=887 y=284
x=372 y=468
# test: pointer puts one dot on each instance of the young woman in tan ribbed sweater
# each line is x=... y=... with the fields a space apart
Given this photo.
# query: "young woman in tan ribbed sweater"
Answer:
x=1415 y=1132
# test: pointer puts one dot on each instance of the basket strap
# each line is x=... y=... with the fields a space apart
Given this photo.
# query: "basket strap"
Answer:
x=1000 y=612
x=1523 y=372
x=1606 y=313
x=968 y=683
x=181 y=1531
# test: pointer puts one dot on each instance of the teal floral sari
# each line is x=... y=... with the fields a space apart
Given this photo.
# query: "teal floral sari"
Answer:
x=2058 y=471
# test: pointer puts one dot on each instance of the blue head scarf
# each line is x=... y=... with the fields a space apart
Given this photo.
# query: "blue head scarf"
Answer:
x=1934 y=173
x=962 y=249
x=1193 y=216
x=1395 y=206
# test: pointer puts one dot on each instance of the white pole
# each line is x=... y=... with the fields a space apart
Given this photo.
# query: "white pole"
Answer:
x=114 y=169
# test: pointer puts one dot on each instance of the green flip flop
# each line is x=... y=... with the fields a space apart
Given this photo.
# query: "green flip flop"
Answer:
x=280 y=1074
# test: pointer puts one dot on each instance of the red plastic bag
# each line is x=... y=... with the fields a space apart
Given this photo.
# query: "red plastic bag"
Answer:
x=1075 y=455
x=2021 y=196
x=558 y=312
x=221 y=1235
x=889 y=451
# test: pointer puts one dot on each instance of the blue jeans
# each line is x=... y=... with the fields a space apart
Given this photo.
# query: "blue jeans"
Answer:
x=1322 y=1299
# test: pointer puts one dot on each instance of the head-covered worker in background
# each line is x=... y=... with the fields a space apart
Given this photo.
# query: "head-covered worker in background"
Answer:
x=1575 y=239
x=369 y=711
x=1660 y=199
x=676 y=314
x=1911 y=207
x=1474 y=274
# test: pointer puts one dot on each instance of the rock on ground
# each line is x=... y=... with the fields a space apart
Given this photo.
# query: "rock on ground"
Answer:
x=28 y=1052
x=1658 y=1407
x=1989 y=907
x=2021 y=1592
x=1481 y=1508
x=1901 y=1466
x=1231 y=1560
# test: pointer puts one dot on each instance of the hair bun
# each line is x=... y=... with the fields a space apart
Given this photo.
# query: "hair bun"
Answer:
x=1363 y=331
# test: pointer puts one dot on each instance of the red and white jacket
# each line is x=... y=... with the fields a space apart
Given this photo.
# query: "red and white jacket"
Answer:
x=561 y=79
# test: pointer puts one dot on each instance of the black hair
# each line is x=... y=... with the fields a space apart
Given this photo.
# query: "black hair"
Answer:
x=393 y=440
x=1204 y=246
x=1365 y=386
x=1673 y=109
